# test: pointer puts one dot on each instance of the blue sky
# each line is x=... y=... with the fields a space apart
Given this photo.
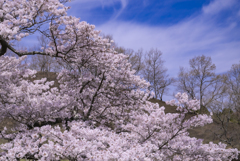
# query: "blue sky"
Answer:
x=181 y=29
x=151 y=12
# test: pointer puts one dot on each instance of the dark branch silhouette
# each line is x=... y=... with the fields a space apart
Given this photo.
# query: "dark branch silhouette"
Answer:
x=4 y=47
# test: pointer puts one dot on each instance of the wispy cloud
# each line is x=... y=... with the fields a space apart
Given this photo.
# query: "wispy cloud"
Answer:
x=123 y=6
x=217 y=6
x=86 y=7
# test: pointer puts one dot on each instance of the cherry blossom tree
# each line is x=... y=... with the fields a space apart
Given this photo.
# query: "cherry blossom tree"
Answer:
x=100 y=110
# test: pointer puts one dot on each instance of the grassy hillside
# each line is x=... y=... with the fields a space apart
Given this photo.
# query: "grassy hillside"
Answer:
x=206 y=132
x=51 y=76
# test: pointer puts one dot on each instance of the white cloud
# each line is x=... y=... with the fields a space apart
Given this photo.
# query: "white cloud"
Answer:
x=83 y=8
x=87 y=5
x=93 y=3
x=124 y=5
x=217 y=6
x=181 y=42
x=238 y=13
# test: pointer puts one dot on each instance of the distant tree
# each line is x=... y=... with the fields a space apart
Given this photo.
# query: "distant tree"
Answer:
x=135 y=58
x=109 y=39
x=186 y=82
x=227 y=109
x=200 y=81
x=155 y=73
x=233 y=84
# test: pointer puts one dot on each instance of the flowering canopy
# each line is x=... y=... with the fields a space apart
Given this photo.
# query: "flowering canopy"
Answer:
x=100 y=110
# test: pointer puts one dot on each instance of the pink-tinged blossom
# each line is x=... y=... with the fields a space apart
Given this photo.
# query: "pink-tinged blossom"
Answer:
x=102 y=107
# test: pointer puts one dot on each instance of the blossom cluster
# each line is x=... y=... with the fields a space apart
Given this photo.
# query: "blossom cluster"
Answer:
x=100 y=111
